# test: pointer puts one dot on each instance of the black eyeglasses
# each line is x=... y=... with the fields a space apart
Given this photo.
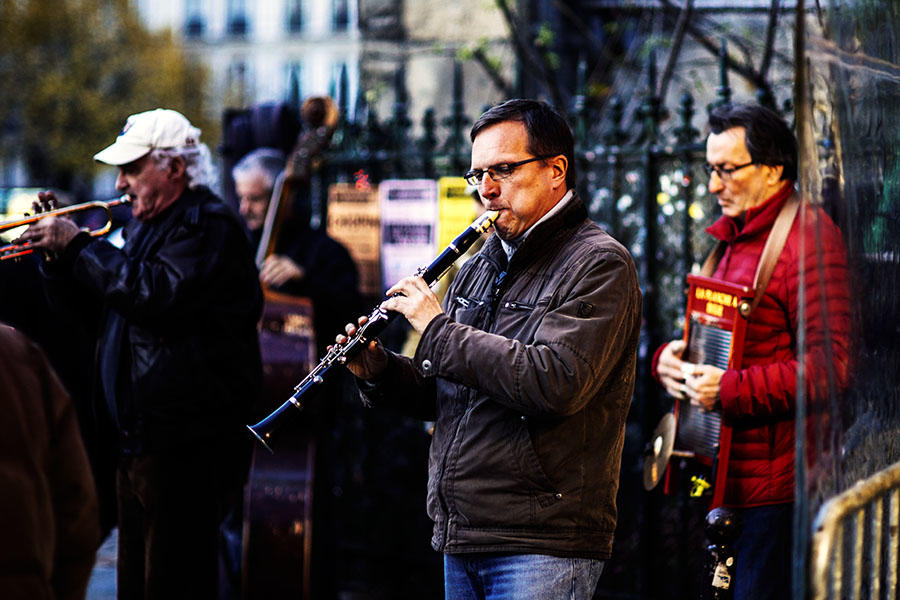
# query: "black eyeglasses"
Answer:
x=498 y=171
x=724 y=173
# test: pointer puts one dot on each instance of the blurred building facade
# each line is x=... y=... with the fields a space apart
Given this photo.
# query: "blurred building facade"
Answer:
x=267 y=50
x=285 y=50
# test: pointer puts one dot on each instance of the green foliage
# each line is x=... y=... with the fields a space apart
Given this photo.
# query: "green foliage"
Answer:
x=545 y=36
x=480 y=50
x=73 y=70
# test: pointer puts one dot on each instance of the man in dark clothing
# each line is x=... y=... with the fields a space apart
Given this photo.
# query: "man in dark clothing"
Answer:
x=307 y=263
x=528 y=370
x=178 y=356
x=48 y=505
x=298 y=259
x=751 y=158
x=304 y=261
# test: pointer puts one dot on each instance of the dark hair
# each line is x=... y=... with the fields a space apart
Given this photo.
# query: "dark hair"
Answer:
x=769 y=139
x=548 y=132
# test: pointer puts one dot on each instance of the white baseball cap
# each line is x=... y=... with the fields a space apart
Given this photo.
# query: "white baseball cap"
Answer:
x=143 y=132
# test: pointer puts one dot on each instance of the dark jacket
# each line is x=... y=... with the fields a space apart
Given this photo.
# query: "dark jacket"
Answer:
x=330 y=279
x=178 y=351
x=759 y=399
x=529 y=378
x=48 y=506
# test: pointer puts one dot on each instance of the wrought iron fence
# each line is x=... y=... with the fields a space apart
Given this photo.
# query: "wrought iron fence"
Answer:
x=640 y=183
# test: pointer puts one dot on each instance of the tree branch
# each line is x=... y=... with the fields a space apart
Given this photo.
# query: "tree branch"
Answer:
x=492 y=72
x=523 y=49
x=677 y=41
x=770 y=39
x=743 y=69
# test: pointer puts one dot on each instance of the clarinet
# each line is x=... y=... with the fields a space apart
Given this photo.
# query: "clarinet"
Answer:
x=376 y=322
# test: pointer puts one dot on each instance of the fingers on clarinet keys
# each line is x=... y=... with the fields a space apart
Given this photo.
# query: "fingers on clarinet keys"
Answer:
x=349 y=329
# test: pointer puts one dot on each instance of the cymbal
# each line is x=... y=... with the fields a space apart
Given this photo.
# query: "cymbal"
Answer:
x=659 y=450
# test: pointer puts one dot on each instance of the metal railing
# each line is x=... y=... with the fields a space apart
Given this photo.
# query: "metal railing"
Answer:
x=855 y=541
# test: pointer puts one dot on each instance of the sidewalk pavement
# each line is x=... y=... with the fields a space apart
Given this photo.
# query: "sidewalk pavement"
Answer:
x=102 y=585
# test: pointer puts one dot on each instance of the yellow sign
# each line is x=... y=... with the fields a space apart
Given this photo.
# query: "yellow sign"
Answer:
x=456 y=209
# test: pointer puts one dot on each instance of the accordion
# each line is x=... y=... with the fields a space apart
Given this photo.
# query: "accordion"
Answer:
x=714 y=335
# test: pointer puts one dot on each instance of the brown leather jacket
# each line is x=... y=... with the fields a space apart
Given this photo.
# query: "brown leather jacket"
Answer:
x=48 y=504
x=529 y=378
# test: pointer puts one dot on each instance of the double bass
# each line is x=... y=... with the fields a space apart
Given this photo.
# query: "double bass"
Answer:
x=278 y=497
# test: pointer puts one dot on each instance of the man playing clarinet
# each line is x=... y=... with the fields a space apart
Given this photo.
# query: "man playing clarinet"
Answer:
x=527 y=369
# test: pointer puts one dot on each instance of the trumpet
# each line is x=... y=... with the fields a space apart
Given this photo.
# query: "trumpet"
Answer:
x=376 y=322
x=14 y=250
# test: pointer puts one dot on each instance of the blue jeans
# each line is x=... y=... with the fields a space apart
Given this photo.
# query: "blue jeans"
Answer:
x=763 y=553
x=519 y=577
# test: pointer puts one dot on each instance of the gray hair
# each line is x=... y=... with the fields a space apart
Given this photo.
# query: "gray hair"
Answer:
x=198 y=165
x=267 y=161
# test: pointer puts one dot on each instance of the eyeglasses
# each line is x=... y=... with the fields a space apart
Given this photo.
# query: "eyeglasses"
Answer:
x=498 y=171
x=724 y=173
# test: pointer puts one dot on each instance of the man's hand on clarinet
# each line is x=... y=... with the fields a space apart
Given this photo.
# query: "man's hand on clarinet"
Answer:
x=412 y=298
x=371 y=361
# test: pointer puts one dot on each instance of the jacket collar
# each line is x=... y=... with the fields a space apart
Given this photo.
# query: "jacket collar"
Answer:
x=757 y=220
x=140 y=234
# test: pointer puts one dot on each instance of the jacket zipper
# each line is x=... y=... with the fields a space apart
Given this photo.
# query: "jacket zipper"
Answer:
x=496 y=291
x=518 y=306
x=467 y=302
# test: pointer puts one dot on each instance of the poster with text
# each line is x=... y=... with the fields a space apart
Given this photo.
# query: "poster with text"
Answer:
x=353 y=220
x=456 y=209
x=408 y=227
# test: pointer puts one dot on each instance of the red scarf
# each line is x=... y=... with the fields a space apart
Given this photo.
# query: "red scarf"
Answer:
x=756 y=219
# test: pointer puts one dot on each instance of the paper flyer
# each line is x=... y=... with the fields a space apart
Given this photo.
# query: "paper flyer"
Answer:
x=353 y=220
x=408 y=227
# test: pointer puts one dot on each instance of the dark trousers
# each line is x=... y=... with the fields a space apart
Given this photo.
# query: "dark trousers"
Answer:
x=170 y=509
x=763 y=553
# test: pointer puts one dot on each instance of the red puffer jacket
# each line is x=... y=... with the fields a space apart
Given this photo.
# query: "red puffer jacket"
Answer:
x=758 y=400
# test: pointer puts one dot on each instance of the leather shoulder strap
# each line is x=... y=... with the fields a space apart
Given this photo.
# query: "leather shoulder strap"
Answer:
x=772 y=250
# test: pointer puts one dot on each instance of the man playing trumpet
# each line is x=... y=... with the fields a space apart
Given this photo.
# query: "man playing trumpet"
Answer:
x=178 y=363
